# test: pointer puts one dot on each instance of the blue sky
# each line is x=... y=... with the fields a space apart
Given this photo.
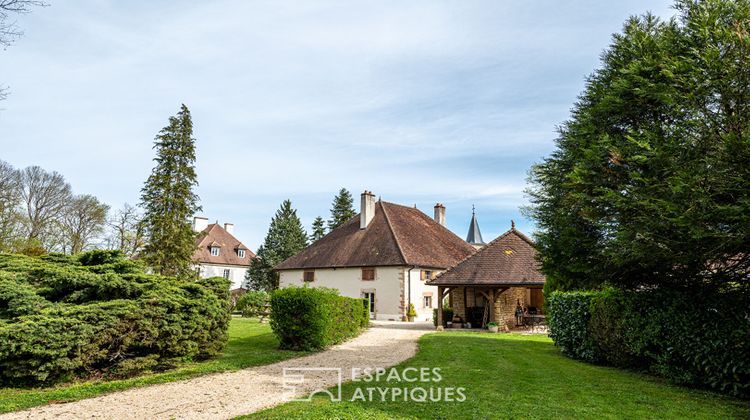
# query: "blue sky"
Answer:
x=420 y=102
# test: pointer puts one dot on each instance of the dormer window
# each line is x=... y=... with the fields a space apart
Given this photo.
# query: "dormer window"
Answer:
x=214 y=251
x=241 y=253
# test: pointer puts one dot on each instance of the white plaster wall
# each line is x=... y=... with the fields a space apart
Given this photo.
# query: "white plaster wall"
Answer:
x=236 y=273
x=348 y=281
x=418 y=289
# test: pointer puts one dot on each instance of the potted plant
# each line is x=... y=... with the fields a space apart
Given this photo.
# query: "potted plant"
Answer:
x=411 y=313
x=492 y=326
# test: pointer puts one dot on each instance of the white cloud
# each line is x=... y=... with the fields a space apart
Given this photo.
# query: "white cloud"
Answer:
x=419 y=101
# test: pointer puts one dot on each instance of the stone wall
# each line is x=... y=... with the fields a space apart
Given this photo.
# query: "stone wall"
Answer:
x=457 y=298
x=505 y=305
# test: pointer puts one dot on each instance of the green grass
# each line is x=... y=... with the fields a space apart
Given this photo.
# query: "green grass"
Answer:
x=250 y=344
x=516 y=376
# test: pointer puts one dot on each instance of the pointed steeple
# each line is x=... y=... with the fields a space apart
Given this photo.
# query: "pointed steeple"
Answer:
x=475 y=236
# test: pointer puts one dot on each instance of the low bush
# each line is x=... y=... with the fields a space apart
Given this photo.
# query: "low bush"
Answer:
x=314 y=318
x=253 y=303
x=692 y=339
x=98 y=315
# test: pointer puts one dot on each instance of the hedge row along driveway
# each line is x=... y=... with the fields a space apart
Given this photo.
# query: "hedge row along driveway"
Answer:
x=306 y=318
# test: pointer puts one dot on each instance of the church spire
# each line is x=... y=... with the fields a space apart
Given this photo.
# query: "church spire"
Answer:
x=475 y=236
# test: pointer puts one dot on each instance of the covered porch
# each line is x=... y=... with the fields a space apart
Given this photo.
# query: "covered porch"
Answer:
x=509 y=306
x=499 y=283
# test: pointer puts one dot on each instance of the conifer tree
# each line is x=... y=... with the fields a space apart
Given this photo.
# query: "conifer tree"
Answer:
x=318 y=229
x=168 y=199
x=649 y=186
x=285 y=238
x=342 y=209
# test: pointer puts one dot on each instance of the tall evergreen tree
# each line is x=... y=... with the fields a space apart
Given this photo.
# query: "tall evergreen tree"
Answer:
x=318 y=229
x=286 y=237
x=650 y=182
x=168 y=199
x=342 y=209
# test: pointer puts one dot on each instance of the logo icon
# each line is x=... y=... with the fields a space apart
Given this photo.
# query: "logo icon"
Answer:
x=296 y=378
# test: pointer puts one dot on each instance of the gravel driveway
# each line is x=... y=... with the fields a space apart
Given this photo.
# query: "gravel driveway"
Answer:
x=226 y=395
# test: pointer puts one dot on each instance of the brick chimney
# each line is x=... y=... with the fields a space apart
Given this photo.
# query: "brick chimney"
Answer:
x=229 y=227
x=440 y=213
x=200 y=223
x=367 y=209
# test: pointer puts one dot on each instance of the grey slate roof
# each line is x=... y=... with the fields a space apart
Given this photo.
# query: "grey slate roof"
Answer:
x=475 y=236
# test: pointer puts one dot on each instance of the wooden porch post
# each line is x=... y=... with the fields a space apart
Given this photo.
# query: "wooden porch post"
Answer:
x=440 y=309
x=491 y=302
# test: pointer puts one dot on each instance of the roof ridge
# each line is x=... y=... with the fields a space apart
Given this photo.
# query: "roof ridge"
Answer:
x=522 y=236
x=483 y=249
x=393 y=232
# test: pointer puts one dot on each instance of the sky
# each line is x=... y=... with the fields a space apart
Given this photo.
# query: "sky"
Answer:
x=420 y=102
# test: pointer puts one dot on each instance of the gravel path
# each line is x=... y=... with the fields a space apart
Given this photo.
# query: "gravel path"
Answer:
x=226 y=395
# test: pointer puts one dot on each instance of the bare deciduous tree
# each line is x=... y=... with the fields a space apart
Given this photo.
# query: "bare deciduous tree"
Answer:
x=10 y=200
x=9 y=30
x=127 y=233
x=83 y=220
x=45 y=197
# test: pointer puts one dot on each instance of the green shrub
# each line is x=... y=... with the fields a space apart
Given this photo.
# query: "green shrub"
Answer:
x=411 y=312
x=253 y=303
x=568 y=320
x=697 y=339
x=314 y=318
x=447 y=316
x=62 y=319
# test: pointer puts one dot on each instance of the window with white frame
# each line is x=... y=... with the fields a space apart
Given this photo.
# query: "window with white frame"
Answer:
x=427 y=301
x=214 y=251
x=226 y=273
x=241 y=253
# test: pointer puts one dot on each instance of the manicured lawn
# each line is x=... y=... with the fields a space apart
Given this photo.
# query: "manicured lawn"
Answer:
x=520 y=376
x=250 y=344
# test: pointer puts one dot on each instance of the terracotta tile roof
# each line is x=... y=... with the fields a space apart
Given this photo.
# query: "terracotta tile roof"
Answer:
x=396 y=236
x=215 y=235
x=508 y=260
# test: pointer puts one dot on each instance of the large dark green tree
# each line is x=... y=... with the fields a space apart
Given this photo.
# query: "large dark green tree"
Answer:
x=168 y=199
x=342 y=209
x=285 y=238
x=318 y=229
x=650 y=182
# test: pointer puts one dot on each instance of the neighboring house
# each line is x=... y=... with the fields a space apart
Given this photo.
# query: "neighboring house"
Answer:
x=219 y=254
x=490 y=284
x=385 y=255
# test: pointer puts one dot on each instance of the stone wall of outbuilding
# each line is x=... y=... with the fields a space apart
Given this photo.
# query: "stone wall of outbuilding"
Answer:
x=504 y=308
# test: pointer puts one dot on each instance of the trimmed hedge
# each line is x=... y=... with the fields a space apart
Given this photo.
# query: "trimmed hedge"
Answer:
x=568 y=317
x=314 y=318
x=696 y=340
x=97 y=315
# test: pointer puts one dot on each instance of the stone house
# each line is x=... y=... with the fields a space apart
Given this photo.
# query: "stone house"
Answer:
x=219 y=254
x=386 y=254
x=490 y=284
